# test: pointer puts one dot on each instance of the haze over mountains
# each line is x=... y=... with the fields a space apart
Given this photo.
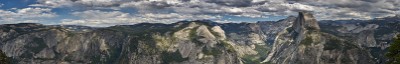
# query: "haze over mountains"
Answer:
x=294 y=40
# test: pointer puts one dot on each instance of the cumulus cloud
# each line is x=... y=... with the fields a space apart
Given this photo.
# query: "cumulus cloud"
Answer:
x=89 y=3
x=194 y=7
x=218 y=7
x=26 y=15
x=354 y=9
x=280 y=8
x=172 y=10
x=235 y=3
x=99 y=18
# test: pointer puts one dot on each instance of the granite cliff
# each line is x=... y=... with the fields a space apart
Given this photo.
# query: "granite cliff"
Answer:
x=294 y=40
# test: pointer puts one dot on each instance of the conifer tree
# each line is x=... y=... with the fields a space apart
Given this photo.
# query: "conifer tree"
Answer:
x=393 y=53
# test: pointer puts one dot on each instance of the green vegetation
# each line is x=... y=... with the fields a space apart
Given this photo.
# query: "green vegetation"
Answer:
x=251 y=59
x=211 y=51
x=3 y=58
x=348 y=45
x=262 y=51
x=227 y=46
x=256 y=59
x=193 y=37
x=163 y=43
x=176 y=56
x=69 y=34
x=37 y=45
x=332 y=44
x=307 y=41
x=70 y=58
x=290 y=29
x=336 y=44
x=6 y=28
x=203 y=23
x=345 y=58
x=393 y=53
x=95 y=59
x=215 y=33
x=113 y=56
x=311 y=28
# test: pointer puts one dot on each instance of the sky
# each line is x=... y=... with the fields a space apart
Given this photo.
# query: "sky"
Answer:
x=103 y=13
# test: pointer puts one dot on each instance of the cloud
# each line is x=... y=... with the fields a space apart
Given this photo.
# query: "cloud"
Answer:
x=235 y=3
x=81 y=4
x=277 y=9
x=101 y=19
x=354 y=9
x=323 y=9
x=97 y=18
x=1 y=4
x=54 y=3
x=26 y=15
x=149 y=6
x=341 y=13
x=218 y=7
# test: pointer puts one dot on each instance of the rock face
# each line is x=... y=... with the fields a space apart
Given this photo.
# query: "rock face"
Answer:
x=305 y=21
x=294 y=40
x=183 y=42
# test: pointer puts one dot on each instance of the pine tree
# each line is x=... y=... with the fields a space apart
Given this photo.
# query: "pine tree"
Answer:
x=393 y=53
x=3 y=58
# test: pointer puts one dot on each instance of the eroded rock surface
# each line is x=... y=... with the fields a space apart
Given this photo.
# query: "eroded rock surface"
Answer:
x=294 y=40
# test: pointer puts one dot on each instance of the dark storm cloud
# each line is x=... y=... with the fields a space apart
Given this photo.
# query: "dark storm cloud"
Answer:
x=185 y=0
x=74 y=0
x=301 y=0
x=158 y=5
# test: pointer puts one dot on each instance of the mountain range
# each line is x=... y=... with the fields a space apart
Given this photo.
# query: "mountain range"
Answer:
x=295 y=40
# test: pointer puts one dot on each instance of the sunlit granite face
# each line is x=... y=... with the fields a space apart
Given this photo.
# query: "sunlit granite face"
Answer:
x=292 y=40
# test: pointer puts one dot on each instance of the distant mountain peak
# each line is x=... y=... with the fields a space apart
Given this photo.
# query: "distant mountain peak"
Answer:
x=305 y=20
